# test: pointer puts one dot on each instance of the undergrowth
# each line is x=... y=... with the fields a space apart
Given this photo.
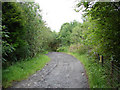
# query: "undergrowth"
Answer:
x=96 y=74
x=23 y=69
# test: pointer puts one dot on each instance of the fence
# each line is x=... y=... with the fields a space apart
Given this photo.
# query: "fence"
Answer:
x=112 y=70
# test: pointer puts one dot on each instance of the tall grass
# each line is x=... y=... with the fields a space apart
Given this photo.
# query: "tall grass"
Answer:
x=78 y=48
x=23 y=69
x=96 y=74
x=63 y=49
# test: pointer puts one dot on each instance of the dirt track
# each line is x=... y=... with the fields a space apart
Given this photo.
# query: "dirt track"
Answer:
x=63 y=71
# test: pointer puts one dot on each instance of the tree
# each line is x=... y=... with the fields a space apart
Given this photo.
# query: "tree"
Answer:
x=103 y=33
x=25 y=34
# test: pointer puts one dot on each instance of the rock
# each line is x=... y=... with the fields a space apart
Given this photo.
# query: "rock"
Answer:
x=83 y=74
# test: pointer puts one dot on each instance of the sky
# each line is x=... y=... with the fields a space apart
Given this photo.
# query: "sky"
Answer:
x=58 y=12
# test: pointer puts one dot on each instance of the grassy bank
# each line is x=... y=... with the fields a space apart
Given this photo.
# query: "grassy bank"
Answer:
x=23 y=69
x=96 y=76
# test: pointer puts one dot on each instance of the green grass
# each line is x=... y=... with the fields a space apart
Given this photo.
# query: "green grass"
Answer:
x=95 y=73
x=23 y=69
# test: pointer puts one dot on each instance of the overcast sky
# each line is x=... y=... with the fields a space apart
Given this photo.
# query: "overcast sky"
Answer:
x=57 y=12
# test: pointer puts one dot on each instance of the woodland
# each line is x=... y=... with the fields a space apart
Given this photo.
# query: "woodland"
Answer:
x=25 y=35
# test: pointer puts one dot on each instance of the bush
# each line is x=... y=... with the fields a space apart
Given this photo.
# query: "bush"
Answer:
x=62 y=49
x=82 y=49
x=79 y=48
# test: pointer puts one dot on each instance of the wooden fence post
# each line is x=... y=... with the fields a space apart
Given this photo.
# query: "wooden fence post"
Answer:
x=101 y=59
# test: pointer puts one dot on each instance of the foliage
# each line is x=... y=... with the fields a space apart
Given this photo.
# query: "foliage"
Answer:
x=103 y=32
x=6 y=47
x=78 y=48
x=76 y=34
x=96 y=74
x=24 y=32
x=62 y=49
x=72 y=35
x=98 y=34
x=65 y=33
x=25 y=35
x=23 y=69
x=55 y=42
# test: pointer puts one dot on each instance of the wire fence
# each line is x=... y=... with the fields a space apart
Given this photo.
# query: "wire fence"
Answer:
x=112 y=70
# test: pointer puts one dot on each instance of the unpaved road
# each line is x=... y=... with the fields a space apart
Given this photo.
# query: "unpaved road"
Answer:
x=63 y=71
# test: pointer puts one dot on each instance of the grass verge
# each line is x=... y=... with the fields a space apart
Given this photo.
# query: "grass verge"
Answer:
x=23 y=69
x=96 y=74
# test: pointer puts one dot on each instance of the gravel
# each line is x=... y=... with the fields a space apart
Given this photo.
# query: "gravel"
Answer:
x=63 y=71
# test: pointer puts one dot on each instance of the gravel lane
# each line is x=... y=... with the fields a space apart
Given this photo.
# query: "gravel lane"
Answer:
x=63 y=71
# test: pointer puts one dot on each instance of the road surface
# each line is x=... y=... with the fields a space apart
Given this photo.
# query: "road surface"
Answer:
x=63 y=71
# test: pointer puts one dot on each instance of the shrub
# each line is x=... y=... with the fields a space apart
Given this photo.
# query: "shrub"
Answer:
x=79 y=48
x=62 y=49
